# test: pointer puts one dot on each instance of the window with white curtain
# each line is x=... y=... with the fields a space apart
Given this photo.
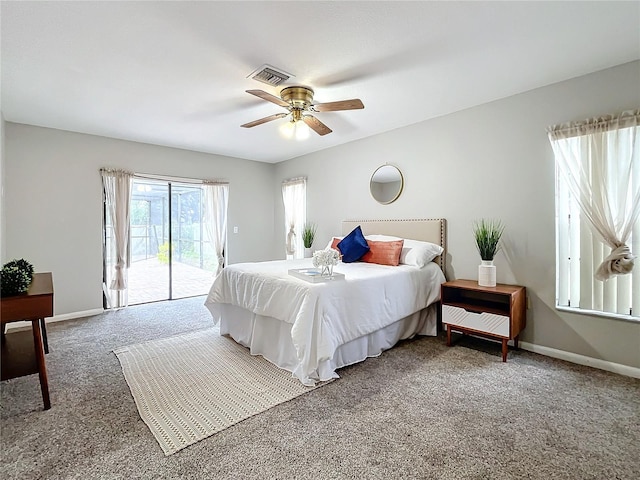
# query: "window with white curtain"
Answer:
x=294 y=197
x=597 y=208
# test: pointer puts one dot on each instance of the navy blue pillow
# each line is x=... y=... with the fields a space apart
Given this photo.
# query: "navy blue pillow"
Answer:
x=353 y=246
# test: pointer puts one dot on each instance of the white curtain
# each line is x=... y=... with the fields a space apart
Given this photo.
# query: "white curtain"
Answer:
x=117 y=194
x=294 y=196
x=216 y=199
x=597 y=158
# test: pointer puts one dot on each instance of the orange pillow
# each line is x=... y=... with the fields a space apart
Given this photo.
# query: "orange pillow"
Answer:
x=384 y=253
x=335 y=242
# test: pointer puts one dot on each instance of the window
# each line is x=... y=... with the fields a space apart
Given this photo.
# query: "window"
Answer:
x=294 y=196
x=597 y=207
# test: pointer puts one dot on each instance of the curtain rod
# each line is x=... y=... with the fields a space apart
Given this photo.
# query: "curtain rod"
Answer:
x=169 y=178
x=294 y=180
x=626 y=119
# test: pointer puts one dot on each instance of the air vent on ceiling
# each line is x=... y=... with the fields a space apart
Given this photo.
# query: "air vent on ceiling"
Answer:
x=269 y=75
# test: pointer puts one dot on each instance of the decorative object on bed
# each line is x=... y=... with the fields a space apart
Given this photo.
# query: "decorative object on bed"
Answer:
x=386 y=184
x=353 y=246
x=314 y=329
x=383 y=252
x=314 y=275
x=419 y=254
x=326 y=260
x=308 y=236
x=191 y=386
x=15 y=277
x=334 y=243
x=487 y=234
x=414 y=252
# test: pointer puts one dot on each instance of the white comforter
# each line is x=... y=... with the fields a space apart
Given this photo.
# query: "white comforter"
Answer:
x=326 y=315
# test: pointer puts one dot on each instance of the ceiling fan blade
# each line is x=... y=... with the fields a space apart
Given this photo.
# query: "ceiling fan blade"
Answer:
x=268 y=97
x=316 y=125
x=264 y=120
x=353 y=104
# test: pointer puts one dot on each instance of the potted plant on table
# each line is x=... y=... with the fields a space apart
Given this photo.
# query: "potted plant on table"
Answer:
x=308 y=236
x=15 y=277
x=487 y=234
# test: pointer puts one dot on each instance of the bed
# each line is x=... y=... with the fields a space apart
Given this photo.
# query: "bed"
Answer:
x=313 y=329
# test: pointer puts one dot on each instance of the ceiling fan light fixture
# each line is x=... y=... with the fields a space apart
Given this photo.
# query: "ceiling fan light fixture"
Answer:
x=287 y=129
x=295 y=129
x=301 y=130
x=298 y=100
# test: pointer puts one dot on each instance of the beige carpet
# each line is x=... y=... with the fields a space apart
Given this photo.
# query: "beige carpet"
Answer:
x=190 y=386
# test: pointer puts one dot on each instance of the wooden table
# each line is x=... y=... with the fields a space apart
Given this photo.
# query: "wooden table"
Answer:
x=494 y=312
x=34 y=305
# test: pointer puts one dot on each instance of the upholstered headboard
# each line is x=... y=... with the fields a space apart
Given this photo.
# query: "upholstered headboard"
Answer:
x=432 y=230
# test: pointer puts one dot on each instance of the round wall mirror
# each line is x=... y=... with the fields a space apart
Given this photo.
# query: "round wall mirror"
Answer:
x=386 y=184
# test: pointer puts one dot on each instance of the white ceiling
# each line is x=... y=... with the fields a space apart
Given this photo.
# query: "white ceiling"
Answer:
x=174 y=73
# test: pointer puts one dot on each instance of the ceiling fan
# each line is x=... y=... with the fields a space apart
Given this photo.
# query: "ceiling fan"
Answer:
x=298 y=100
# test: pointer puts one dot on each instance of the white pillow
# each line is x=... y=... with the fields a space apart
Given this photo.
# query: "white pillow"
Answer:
x=414 y=252
x=419 y=253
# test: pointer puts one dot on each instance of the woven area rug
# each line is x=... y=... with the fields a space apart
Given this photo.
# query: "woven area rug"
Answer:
x=190 y=386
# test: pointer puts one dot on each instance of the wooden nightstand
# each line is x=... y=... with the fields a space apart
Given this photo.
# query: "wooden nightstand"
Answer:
x=495 y=312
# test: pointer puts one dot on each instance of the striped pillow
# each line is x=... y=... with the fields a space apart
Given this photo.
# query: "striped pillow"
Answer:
x=384 y=253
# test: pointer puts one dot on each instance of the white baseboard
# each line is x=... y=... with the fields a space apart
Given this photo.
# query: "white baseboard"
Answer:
x=57 y=318
x=582 y=360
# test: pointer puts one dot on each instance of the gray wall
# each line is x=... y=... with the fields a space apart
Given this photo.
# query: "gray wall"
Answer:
x=2 y=167
x=490 y=161
x=53 y=194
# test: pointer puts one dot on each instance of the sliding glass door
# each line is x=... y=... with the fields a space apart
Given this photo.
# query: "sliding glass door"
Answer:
x=192 y=272
x=170 y=256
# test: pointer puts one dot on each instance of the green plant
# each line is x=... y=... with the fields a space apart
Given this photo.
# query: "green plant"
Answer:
x=308 y=234
x=22 y=264
x=163 y=252
x=15 y=277
x=487 y=234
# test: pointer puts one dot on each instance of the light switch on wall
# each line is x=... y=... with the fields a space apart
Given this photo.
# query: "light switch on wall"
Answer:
x=235 y=229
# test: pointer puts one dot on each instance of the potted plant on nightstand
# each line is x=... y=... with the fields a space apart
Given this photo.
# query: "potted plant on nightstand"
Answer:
x=487 y=234
x=308 y=235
